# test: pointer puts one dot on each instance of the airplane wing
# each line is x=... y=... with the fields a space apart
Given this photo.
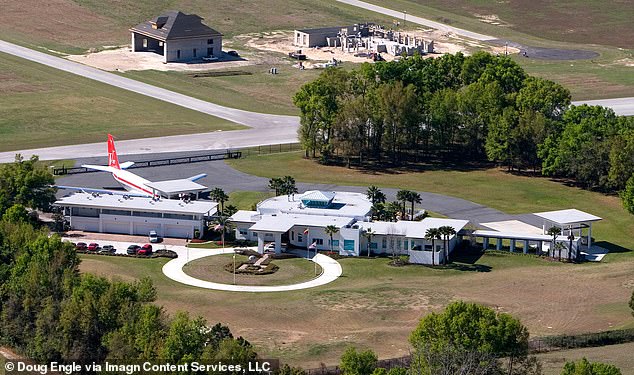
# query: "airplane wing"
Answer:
x=100 y=191
x=126 y=165
x=104 y=168
x=197 y=177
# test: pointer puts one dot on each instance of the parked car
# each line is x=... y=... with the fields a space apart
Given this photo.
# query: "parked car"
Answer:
x=154 y=238
x=210 y=58
x=233 y=53
x=107 y=249
x=81 y=246
x=145 y=250
x=132 y=249
x=270 y=247
x=93 y=246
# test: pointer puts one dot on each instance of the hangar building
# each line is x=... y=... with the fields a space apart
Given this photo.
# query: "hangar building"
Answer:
x=135 y=215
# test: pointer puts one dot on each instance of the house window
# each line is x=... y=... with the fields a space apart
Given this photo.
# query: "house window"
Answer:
x=384 y=243
x=300 y=238
x=373 y=245
x=210 y=51
x=194 y=52
x=144 y=43
x=178 y=54
x=254 y=234
x=319 y=241
x=210 y=41
x=268 y=235
x=292 y=235
x=243 y=232
x=348 y=245
x=406 y=245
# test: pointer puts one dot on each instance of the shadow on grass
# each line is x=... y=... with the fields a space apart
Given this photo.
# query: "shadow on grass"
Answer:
x=613 y=248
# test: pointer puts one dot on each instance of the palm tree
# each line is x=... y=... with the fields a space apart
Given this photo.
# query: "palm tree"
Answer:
x=230 y=210
x=403 y=196
x=571 y=237
x=368 y=233
x=378 y=211
x=432 y=234
x=219 y=195
x=414 y=197
x=555 y=232
x=375 y=195
x=391 y=210
x=276 y=184
x=288 y=186
x=446 y=231
x=331 y=230
x=220 y=225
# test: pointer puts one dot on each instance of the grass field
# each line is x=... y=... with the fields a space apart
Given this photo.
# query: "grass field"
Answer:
x=259 y=91
x=574 y=21
x=490 y=187
x=83 y=24
x=291 y=271
x=244 y=200
x=375 y=305
x=618 y=355
x=42 y=106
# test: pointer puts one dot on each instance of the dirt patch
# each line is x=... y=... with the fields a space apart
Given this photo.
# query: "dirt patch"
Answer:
x=12 y=84
x=123 y=59
x=381 y=300
x=492 y=19
x=282 y=42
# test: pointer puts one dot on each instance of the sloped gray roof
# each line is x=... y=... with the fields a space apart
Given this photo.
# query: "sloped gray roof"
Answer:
x=175 y=25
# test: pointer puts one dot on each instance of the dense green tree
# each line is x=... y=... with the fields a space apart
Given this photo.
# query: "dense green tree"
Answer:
x=465 y=331
x=433 y=234
x=351 y=128
x=26 y=182
x=585 y=367
x=275 y=184
x=627 y=195
x=403 y=196
x=357 y=363
x=543 y=96
x=288 y=370
x=288 y=186
x=621 y=158
x=219 y=196
x=446 y=231
x=479 y=104
x=17 y=214
x=185 y=340
x=632 y=303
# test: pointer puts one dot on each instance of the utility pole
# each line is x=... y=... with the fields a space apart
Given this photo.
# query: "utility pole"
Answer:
x=404 y=18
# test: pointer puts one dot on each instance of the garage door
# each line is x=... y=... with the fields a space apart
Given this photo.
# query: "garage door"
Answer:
x=116 y=227
x=85 y=225
x=178 y=231
x=145 y=228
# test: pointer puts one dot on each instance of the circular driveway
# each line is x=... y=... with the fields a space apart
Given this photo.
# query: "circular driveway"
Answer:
x=174 y=270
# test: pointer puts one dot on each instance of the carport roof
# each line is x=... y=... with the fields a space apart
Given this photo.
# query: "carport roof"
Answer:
x=172 y=187
x=175 y=25
x=284 y=222
x=571 y=216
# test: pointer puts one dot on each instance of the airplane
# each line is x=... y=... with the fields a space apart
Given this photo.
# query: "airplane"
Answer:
x=133 y=184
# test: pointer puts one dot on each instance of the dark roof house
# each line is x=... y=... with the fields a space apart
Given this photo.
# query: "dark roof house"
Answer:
x=177 y=36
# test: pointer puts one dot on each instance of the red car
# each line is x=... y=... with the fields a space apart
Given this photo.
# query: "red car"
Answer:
x=81 y=246
x=93 y=246
x=145 y=250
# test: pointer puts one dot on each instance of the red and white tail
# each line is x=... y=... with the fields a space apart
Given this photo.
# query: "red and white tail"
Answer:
x=113 y=160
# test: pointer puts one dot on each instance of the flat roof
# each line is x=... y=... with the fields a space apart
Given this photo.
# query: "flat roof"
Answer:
x=346 y=204
x=118 y=202
x=570 y=216
x=243 y=216
x=411 y=229
x=514 y=226
x=513 y=235
x=284 y=222
x=171 y=187
x=320 y=30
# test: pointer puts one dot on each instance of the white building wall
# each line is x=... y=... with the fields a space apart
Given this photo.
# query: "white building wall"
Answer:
x=137 y=225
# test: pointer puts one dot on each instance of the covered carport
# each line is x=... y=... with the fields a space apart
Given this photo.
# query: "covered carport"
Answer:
x=572 y=222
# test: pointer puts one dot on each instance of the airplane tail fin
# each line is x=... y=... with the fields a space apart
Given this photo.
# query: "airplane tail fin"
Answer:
x=113 y=160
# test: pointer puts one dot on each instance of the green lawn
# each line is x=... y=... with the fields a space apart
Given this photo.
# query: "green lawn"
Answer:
x=256 y=91
x=43 y=106
x=298 y=326
x=245 y=200
x=491 y=187
x=291 y=271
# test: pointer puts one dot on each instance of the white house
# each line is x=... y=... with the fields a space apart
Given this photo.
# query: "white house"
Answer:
x=301 y=220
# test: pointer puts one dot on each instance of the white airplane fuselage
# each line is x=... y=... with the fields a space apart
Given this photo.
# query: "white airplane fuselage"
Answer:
x=132 y=182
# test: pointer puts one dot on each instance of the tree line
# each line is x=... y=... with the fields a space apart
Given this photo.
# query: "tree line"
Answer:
x=478 y=107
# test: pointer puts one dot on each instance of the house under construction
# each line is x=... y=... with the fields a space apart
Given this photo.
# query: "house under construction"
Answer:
x=362 y=37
